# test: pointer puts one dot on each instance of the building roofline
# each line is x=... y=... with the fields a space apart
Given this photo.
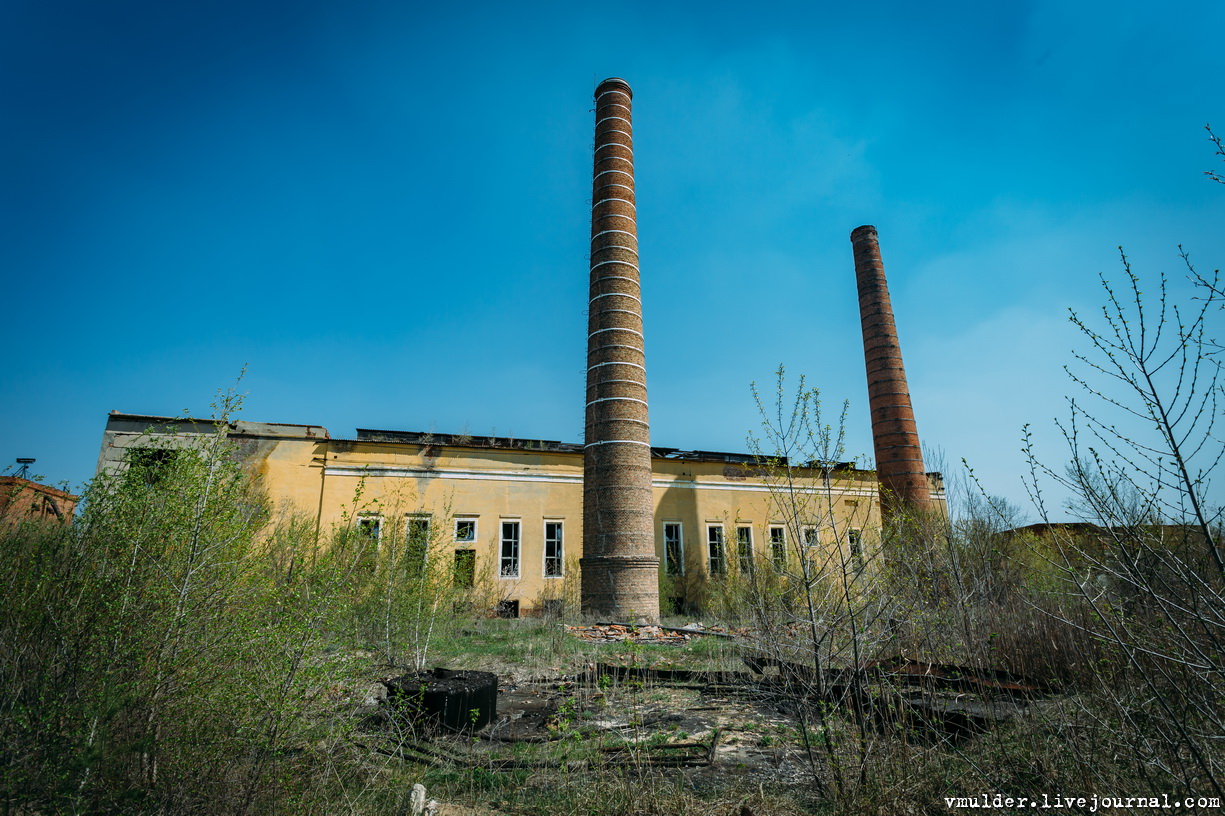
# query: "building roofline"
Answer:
x=466 y=441
x=156 y=418
x=239 y=427
x=6 y=481
x=427 y=438
x=554 y=446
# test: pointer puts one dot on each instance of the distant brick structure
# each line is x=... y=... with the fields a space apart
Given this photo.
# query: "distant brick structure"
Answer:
x=904 y=486
x=619 y=566
x=24 y=500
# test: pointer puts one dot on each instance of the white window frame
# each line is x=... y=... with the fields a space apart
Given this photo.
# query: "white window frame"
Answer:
x=411 y=517
x=516 y=556
x=713 y=561
x=560 y=555
x=744 y=560
x=680 y=547
x=778 y=546
x=372 y=519
x=475 y=529
x=812 y=536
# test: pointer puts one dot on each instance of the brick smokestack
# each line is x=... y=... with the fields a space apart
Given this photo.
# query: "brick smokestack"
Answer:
x=619 y=566
x=899 y=459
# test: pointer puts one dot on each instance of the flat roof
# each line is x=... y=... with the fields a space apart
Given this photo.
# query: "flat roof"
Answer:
x=244 y=428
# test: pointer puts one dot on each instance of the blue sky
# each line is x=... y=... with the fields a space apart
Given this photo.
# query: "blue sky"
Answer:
x=382 y=209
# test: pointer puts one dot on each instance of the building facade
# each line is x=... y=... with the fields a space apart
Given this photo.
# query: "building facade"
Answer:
x=508 y=513
x=23 y=500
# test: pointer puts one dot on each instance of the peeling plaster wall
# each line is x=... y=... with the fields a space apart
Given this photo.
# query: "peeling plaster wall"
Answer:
x=333 y=481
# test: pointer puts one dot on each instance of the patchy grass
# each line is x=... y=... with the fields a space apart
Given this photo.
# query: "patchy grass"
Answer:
x=534 y=647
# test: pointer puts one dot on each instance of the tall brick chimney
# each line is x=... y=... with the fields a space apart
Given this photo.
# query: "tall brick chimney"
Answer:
x=619 y=566
x=905 y=491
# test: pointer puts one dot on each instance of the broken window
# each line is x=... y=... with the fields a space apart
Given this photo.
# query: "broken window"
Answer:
x=714 y=543
x=465 y=529
x=465 y=568
x=810 y=537
x=674 y=549
x=417 y=541
x=150 y=465
x=778 y=545
x=554 y=554
x=856 y=546
x=744 y=549
x=370 y=527
x=509 y=564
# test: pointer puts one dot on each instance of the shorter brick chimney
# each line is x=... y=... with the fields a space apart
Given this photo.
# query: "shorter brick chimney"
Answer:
x=905 y=491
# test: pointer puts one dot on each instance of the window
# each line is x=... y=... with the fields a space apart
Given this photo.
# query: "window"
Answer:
x=810 y=537
x=744 y=549
x=714 y=543
x=417 y=540
x=150 y=464
x=465 y=530
x=674 y=549
x=465 y=568
x=554 y=552
x=370 y=527
x=856 y=542
x=418 y=529
x=509 y=565
x=778 y=545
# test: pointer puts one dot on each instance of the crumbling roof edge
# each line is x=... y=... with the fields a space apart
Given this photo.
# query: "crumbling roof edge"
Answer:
x=38 y=487
x=240 y=427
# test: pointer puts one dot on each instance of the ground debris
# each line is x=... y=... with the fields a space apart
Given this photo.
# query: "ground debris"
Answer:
x=648 y=633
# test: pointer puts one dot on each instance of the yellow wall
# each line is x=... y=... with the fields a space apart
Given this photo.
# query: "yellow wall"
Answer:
x=335 y=482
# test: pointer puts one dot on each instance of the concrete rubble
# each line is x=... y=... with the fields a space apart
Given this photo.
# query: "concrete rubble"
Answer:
x=666 y=635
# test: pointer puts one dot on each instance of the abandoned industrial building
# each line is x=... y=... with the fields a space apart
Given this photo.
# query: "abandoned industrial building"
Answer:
x=23 y=499
x=618 y=510
x=509 y=512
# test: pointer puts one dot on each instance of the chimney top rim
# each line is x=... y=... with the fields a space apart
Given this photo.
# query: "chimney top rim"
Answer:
x=864 y=230
x=614 y=81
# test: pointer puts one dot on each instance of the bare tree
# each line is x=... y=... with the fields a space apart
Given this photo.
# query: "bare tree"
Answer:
x=1144 y=441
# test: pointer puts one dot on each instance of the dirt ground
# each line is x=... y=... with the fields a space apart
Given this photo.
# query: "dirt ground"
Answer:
x=710 y=726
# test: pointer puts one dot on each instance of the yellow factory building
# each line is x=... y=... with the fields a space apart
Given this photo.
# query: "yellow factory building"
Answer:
x=509 y=511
